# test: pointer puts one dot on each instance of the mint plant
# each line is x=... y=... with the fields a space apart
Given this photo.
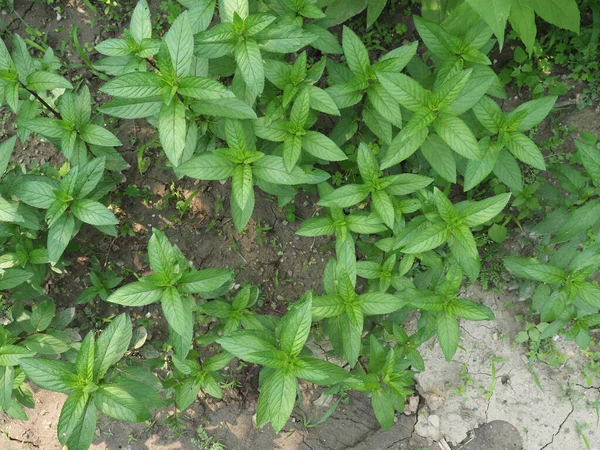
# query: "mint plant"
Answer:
x=125 y=395
x=423 y=158
x=284 y=361
x=172 y=284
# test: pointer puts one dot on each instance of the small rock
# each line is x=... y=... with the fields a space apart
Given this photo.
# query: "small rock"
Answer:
x=434 y=400
x=494 y=336
x=412 y=405
x=280 y=298
x=425 y=429
x=324 y=401
x=434 y=420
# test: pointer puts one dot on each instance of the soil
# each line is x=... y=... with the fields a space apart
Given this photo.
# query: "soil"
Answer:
x=461 y=408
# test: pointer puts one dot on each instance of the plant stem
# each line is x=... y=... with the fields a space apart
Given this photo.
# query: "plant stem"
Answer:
x=43 y=102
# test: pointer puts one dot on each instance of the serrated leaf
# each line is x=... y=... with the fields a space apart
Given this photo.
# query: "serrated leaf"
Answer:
x=172 y=129
x=92 y=212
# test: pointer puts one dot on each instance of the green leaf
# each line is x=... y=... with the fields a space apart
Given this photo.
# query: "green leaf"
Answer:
x=295 y=326
x=522 y=20
x=46 y=344
x=590 y=293
x=374 y=303
x=590 y=158
x=580 y=220
x=399 y=149
x=52 y=375
x=532 y=269
x=276 y=399
x=470 y=310
x=6 y=149
x=42 y=314
x=482 y=211
x=11 y=278
x=172 y=130
x=325 y=41
x=437 y=40
x=382 y=204
x=207 y=166
x=59 y=236
x=300 y=109
x=112 y=344
x=507 y=170
x=97 y=135
x=439 y=155
x=477 y=171
x=77 y=421
x=327 y=306
x=383 y=408
x=464 y=248
x=457 y=135
x=316 y=226
x=351 y=337
x=187 y=392
x=452 y=87
x=84 y=365
x=141 y=25
x=272 y=169
x=250 y=63
x=202 y=88
x=347 y=195
x=319 y=145
x=92 y=212
x=161 y=254
x=384 y=104
x=562 y=13
x=448 y=334
x=228 y=8
x=429 y=238
x=318 y=371
x=292 y=148
x=119 y=404
x=204 y=281
x=424 y=300
x=554 y=306
x=133 y=108
x=46 y=81
x=321 y=101
x=251 y=347
x=178 y=314
x=535 y=111
x=356 y=53
x=135 y=85
x=242 y=185
x=138 y=293
x=36 y=191
x=495 y=13
x=489 y=114
x=114 y=47
x=180 y=41
x=7 y=375
x=404 y=90
x=525 y=150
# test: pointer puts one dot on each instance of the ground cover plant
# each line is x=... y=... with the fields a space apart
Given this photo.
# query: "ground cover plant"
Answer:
x=266 y=95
